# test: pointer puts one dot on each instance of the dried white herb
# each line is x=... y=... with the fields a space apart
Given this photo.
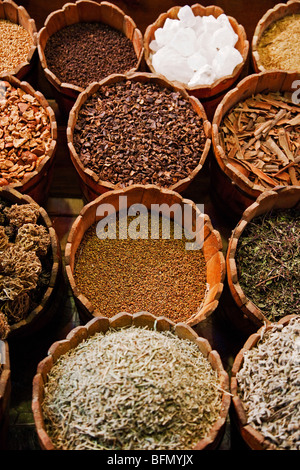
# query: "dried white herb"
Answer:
x=131 y=388
x=269 y=385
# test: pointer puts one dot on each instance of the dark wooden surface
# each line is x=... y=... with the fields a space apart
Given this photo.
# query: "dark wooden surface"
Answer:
x=65 y=202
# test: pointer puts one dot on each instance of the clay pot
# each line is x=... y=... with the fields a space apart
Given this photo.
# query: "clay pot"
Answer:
x=244 y=312
x=232 y=190
x=5 y=391
x=44 y=311
x=91 y=185
x=37 y=184
x=84 y=11
x=123 y=320
x=210 y=95
x=149 y=195
x=10 y=11
x=254 y=439
x=271 y=16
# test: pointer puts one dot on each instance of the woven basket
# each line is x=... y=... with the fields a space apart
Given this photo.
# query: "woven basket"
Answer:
x=244 y=312
x=271 y=16
x=10 y=11
x=210 y=95
x=37 y=183
x=123 y=320
x=84 y=11
x=91 y=185
x=149 y=195
x=43 y=312
x=232 y=189
x=252 y=437
x=5 y=391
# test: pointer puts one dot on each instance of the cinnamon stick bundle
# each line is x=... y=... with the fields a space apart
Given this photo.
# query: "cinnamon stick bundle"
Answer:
x=261 y=139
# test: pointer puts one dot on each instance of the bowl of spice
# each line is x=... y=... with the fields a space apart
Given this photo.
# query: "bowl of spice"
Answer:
x=84 y=42
x=265 y=387
x=171 y=265
x=200 y=47
x=137 y=129
x=276 y=39
x=168 y=386
x=263 y=259
x=5 y=387
x=28 y=133
x=255 y=140
x=18 y=40
x=30 y=265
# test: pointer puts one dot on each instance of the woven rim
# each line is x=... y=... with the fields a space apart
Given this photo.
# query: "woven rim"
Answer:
x=5 y=381
x=199 y=10
x=150 y=194
x=17 y=14
x=273 y=14
x=71 y=12
x=89 y=176
x=280 y=198
x=17 y=198
x=253 y=438
x=123 y=320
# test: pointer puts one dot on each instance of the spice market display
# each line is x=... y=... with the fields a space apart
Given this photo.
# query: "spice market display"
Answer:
x=150 y=381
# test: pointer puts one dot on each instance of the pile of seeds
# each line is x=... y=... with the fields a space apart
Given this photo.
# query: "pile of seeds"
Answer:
x=131 y=389
x=269 y=385
x=143 y=274
x=268 y=261
x=132 y=132
x=15 y=44
x=260 y=136
x=83 y=53
x=25 y=134
x=25 y=262
x=279 y=46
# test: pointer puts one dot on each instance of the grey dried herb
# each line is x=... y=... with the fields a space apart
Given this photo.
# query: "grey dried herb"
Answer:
x=269 y=385
x=131 y=389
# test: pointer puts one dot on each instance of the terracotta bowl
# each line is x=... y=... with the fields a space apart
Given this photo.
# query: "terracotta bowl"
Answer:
x=5 y=391
x=123 y=320
x=91 y=185
x=220 y=85
x=85 y=11
x=44 y=311
x=149 y=195
x=271 y=16
x=244 y=310
x=37 y=183
x=232 y=189
x=10 y=11
x=254 y=439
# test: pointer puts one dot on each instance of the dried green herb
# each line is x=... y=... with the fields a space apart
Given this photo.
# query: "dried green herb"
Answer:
x=131 y=389
x=268 y=260
x=269 y=385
